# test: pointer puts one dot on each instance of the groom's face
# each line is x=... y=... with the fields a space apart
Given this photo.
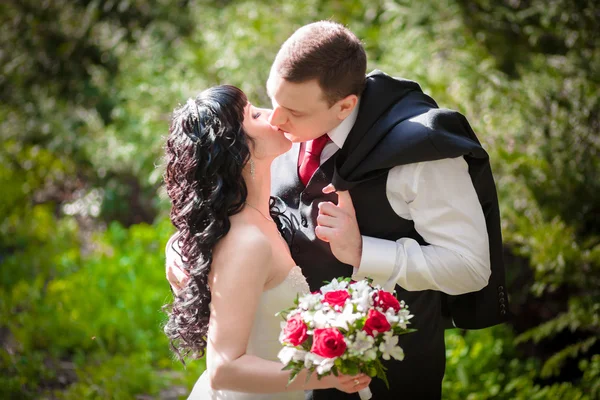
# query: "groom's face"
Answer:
x=300 y=109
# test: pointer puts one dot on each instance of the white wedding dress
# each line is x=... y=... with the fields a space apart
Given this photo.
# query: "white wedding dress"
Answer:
x=264 y=339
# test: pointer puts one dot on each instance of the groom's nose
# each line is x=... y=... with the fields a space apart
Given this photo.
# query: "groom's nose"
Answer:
x=277 y=117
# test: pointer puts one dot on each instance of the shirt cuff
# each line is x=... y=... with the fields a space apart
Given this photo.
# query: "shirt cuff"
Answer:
x=378 y=260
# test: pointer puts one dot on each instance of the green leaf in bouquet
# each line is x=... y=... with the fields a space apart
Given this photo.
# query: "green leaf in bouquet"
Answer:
x=294 y=364
x=370 y=369
x=296 y=368
x=309 y=373
x=334 y=371
x=297 y=300
x=307 y=344
x=338 y=367
x=288 y=367
x=381 y=372
x=350 y=367
x=345 y=332
x=293 y=376
x=399 y=331
x=285 y=313
x=360 y=323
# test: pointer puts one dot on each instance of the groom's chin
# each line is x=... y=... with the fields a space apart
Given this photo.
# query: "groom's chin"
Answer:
x=290 y=136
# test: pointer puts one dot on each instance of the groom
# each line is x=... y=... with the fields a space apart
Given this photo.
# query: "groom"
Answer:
x=422 y=212
x=423 y=215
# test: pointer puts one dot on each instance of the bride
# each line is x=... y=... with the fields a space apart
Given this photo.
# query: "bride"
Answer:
x=238 y=268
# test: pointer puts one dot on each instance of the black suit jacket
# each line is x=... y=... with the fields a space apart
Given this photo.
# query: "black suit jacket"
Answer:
x=398 y=124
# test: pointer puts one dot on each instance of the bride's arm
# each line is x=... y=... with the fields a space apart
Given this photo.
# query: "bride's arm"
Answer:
x=239 y=271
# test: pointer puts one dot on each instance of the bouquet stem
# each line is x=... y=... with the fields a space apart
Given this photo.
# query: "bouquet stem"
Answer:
x=365 y=394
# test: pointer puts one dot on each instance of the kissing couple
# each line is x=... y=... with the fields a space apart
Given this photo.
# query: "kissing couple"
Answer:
x=348 y=175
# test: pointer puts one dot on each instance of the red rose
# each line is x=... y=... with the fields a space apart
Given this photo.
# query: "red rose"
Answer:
x=295 y=332
x=387 y=300
x=328 y=343
x=336 y=298
x=376 y=321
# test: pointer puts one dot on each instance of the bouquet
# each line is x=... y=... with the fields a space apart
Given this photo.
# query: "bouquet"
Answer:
x=346 y=327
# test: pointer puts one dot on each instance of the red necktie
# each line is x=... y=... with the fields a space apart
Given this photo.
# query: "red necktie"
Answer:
x=312 y=158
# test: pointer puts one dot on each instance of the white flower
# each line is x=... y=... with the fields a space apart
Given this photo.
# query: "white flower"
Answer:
x=389 y=347
x=282 y=324
x=334 y=285
x=391 y=316
x=325 y=366
x=370 y=355
x=360 y=344
x=358 y=288
x=364 y=301
x=326 y=307
x=310 y=301
x=299 y=355
x=320 y=320
x=346 y=318
x=403 y=317
x=311 y=359
x=287 y=354
x=308 y=317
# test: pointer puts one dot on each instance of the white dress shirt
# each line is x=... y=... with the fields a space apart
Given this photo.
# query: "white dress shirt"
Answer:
x=439 y=197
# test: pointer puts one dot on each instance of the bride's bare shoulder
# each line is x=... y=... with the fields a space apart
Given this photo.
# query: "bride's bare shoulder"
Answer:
x=244 y=240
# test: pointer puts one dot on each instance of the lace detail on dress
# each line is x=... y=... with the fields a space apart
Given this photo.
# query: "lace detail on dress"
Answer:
x=297 y=280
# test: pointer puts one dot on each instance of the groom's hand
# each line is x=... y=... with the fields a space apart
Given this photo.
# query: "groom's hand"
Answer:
x=337 y=225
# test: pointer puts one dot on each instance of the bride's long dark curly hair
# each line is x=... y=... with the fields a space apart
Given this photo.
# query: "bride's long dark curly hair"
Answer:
x=206 y=152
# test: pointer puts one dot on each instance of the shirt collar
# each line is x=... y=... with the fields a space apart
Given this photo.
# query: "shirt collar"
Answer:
x=339 y=134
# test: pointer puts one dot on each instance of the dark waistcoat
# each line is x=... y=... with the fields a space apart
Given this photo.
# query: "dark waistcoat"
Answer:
x=421 y=373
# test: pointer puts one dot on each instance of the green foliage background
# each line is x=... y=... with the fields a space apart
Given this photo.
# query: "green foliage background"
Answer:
x=87 y=87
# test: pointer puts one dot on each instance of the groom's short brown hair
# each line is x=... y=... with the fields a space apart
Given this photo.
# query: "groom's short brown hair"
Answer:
x=325 y=51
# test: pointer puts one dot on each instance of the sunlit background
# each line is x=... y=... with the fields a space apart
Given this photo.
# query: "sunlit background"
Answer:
x=86 y=91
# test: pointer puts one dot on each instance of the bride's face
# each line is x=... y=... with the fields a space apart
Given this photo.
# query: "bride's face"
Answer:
x=269 y=141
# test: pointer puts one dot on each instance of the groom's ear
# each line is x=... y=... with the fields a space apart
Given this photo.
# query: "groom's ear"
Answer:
x=346 y=105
